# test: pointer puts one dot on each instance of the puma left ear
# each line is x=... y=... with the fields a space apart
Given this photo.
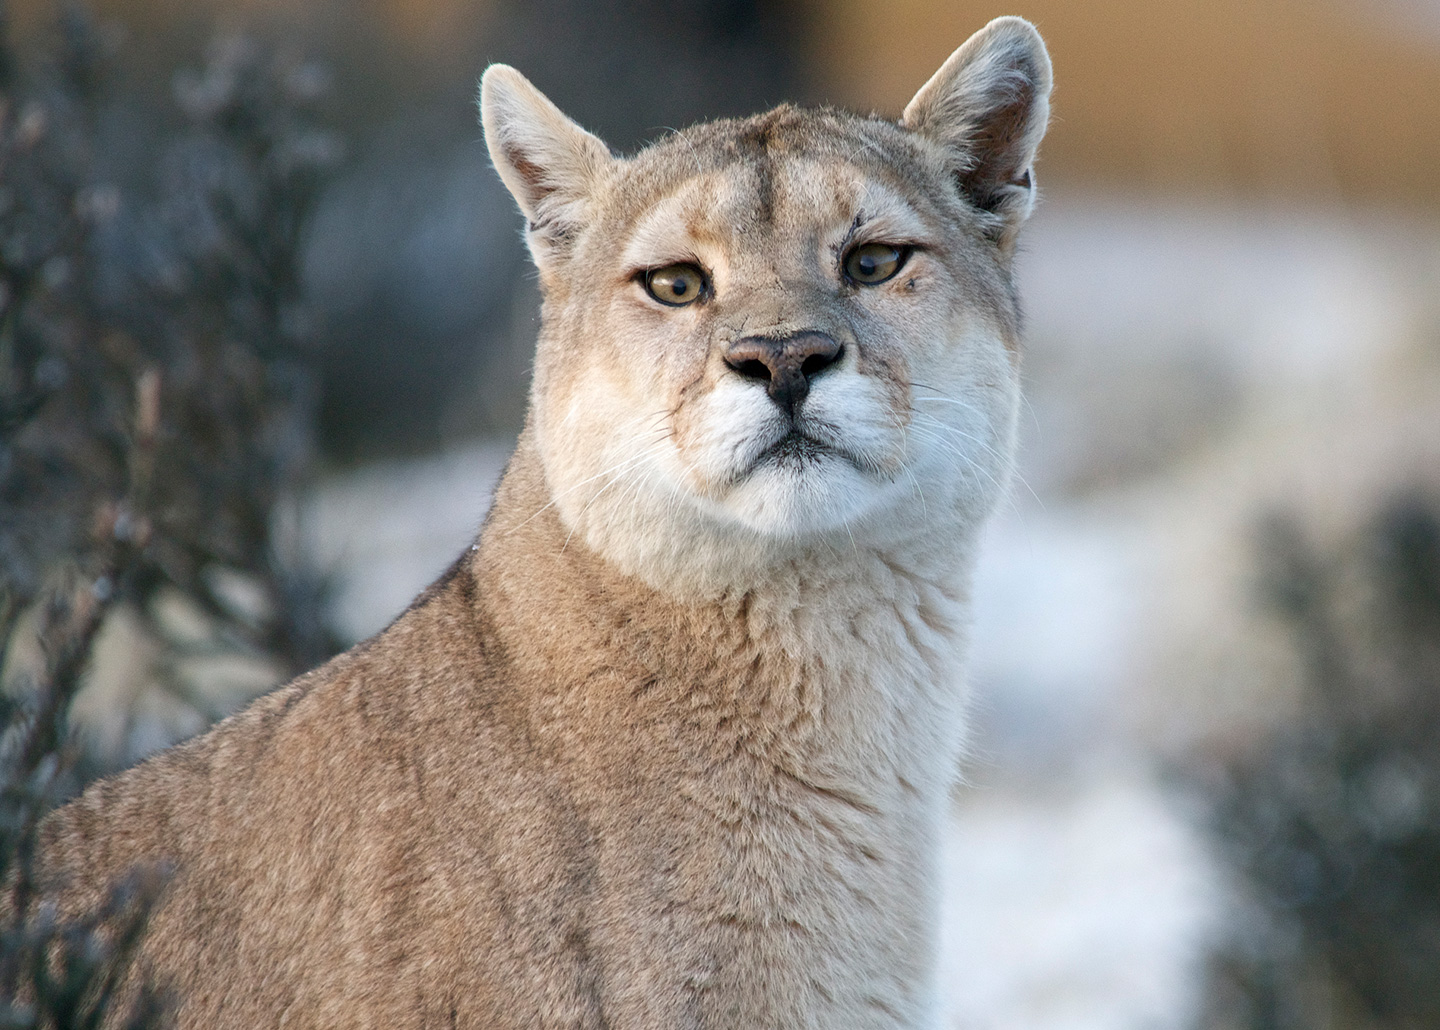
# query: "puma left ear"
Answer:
x=550 y=165
x=989 y=104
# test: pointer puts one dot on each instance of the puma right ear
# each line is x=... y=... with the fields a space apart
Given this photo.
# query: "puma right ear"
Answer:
x=989 y=104
x=550 y=165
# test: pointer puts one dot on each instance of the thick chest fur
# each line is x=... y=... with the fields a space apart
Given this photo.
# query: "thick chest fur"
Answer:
x=823 y=922
x=810 y=910
x=766 y=821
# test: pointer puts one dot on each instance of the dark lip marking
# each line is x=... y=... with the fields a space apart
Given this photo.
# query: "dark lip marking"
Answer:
x=797 y=449
x=793 y=447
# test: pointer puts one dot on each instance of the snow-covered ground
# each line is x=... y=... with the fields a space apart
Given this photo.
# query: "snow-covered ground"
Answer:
x=1083 y=905
x=1189 y=370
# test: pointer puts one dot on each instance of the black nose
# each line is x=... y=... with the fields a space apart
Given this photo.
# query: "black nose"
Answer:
x=786 y=363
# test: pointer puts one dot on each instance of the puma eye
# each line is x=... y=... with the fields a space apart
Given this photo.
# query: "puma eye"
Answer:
x=675 y=285
x=873 y=263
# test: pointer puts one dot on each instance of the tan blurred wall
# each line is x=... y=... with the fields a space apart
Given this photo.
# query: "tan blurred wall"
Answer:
x=1309 y=99
x=1324 y=99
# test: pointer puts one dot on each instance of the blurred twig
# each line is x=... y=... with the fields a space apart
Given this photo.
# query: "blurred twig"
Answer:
x=154 y=411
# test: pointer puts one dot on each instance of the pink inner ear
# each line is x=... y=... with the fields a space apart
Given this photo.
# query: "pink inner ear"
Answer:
x=995 y=148
x=528 y=170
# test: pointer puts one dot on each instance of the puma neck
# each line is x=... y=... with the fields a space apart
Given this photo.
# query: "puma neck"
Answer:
x=828 y=655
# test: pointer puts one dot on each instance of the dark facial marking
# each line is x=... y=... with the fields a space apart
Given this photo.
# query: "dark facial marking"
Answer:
x=753 y=147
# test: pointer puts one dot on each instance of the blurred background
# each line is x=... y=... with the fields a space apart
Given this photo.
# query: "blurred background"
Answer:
x=265 y=333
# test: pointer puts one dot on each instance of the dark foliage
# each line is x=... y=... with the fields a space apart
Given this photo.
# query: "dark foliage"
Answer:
x=155 y=413
x=1334 y=825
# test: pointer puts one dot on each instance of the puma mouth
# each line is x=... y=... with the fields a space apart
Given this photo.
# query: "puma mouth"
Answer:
x=793 y=450
x=798 y=451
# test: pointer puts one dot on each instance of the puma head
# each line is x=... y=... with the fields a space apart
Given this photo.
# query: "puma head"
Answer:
x=791 y=331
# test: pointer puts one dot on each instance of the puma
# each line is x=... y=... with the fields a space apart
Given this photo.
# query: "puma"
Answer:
x=671 y=744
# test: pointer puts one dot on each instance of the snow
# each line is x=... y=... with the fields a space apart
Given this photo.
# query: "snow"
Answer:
x=1082 y=907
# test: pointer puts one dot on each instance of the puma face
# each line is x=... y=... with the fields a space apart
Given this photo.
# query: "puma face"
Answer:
x=791 y=330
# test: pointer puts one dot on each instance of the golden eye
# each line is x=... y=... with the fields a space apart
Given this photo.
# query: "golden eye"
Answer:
x=873 y=263
x=675 y=285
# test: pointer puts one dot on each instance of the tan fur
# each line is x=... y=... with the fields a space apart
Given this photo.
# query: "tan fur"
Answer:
x=670 y=746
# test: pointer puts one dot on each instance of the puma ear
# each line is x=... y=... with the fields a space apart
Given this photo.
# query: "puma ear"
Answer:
x=548 y=163
x=989 y=104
